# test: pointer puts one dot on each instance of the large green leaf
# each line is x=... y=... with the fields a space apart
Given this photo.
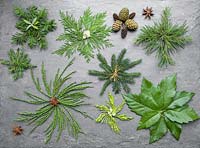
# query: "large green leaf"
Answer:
x=158 y=130
x=149 y=119
x=181 y=99
x=136 y=105
x=182 y=115
x=174 y=128
x=161 y=108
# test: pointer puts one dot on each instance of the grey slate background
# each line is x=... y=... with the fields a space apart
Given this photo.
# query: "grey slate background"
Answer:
x=100 y=136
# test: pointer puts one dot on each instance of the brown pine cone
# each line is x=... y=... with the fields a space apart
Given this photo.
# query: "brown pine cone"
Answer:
x=115 y=17
x=116 y=26
x=132 y=15
x=124 y=32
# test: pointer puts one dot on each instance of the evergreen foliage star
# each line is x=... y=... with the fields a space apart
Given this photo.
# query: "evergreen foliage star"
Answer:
x=56 y=104
x=18 y=63
x=115 y=74
x=162 y=108
x=164 y=38
x=111 y=112
x=83 y=35
x=34 y=26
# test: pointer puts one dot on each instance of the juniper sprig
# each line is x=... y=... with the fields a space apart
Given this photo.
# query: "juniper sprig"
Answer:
x=18 y=63
x=56 y=104
x=164 y=38
x=34 y=25
x=83 y=35
x=115 y=74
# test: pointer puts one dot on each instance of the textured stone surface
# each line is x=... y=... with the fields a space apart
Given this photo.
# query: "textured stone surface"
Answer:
x=100 y=136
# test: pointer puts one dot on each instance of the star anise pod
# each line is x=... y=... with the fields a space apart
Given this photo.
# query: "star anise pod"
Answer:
x=17 y=130
x=148 y=12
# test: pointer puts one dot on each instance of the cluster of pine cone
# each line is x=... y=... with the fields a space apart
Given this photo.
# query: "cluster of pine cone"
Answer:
x=124 y=20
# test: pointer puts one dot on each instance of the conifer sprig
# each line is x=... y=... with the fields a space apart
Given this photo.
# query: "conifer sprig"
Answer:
x=110 y=113
x=18 y=63
x=164 y=38
x=83 y=35
x=34 y=26
x=115 y=74
x=57 y=101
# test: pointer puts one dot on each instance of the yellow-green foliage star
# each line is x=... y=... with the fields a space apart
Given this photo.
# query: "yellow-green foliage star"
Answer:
x=111 y=112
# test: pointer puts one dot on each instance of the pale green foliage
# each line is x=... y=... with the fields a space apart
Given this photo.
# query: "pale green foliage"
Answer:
x=18 y=63
x=116 y=73
x=162 y=108
x=76 y=39
x=69 y=96
x=164 y=38
x=34 y=26
x=111 y=112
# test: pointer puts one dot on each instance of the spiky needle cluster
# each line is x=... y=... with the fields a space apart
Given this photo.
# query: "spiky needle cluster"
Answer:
x=57 y=102
x=34 y=26
x=18 y=62
x=111 y=112
x=83 y=35
x=115 y=73
x=164 y=38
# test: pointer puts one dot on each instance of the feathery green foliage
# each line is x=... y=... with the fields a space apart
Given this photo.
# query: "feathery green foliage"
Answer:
x=18 y=62
x=56 y=104
x=83 y=35
x=162 y=108
x=164 y=38
x=115 y=73
x=34 y=26
x=111 y=112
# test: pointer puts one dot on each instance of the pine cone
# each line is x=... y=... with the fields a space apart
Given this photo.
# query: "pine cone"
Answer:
x=116 y=26
x=132 y=15
x=124 y=14
x=131 y=24
x=124 y=32
x=115 y=17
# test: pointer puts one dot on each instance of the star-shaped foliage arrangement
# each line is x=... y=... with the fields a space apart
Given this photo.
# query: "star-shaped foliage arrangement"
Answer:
x=34 y=26
x=18 y=63
x=164 y=38
x=57 y=101
x=116 y=73
x=111 y=112
x=83 y=35
x=162 y=108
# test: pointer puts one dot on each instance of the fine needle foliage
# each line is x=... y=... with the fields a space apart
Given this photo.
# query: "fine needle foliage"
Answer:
x=56 y=104
x=116 y=74
x=162 y=108
x=164 y=38
x=18 y=63
x=34 y=26
x=110 y=112
x=83 y=35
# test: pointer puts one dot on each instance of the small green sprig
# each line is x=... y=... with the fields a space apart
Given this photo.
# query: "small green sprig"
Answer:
x=34 y=26
x=164 y=38
x=115 y=73
x=83 y=35
x=111 y=112
x=162 y=108
x=56 y=104
x=18 y=63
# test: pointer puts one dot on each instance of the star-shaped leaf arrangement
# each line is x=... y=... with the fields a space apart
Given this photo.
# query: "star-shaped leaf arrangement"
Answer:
x=116 y=74
x=18 y=63
x=57 y=101
x=164 y=38
x=162 y=108
x=34 y=26
x=111 y=112
x=83 y=35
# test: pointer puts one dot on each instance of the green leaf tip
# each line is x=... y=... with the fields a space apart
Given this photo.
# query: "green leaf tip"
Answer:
x=162 y=108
